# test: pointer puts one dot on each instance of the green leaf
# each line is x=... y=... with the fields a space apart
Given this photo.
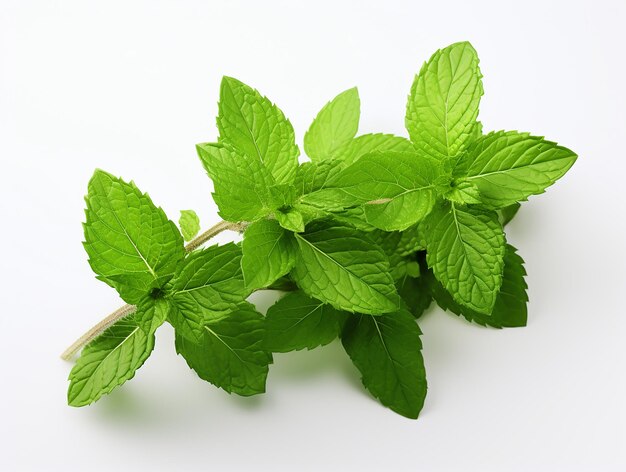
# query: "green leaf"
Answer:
x=401 y=248
x=387 y=351
x=208 y=285
x=356 y=148
x=354 y=217
x=392 y=244
x=290 y=219
x=241 y=183
x=388 y=242
x=189 y=224
x=282 y=195
x=412 y=240
x=507 y=213
x=231 y=353
x=340 y=266
x=152 y=311
x=114 y=357
x=509 y=311
x=443 y=105
x=268 y=253
x=336 y=124
x=253 y=125
x=297 y=321
x=464 y=193
x=465 y=248
x=314 y=176
x=131 y=244
x=508 y=167
x=396 y=188
x=415 y=292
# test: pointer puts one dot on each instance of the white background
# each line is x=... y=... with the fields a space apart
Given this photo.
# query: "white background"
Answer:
x=131 y=86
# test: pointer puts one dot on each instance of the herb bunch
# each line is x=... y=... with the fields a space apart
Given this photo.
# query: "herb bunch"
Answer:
x=361 y=238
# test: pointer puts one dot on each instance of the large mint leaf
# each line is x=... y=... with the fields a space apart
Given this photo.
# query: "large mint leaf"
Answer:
x=335 y=125
x=387 y=351
x=254 y=126
x=208 y=285
x=443 y=105
x=241 y=183
x=230 y=354
x=130 y=242
x=508 y=167
x=397 y=189
x=356 y=148
x=113 y=357
x=268 y=253
x=297 y=321
x=465 y=248
x=509 y=311
x=341 y=266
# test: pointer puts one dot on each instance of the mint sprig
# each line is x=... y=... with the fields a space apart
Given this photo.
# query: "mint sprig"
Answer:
x=363 y=238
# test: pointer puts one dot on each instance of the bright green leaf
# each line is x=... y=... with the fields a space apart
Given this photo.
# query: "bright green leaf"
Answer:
x=387 y=351
x=230 y=354
x=443 y=105
x=508 y=167
x=354 y=217
x=464 y=193
x=342 y=267
x=412 y=240
x=282 y=195
x=396 y=188
x=268 y=253
x=113 y=357
x=241 y=183
x=465 y=248
x=290 y=219
x=356 y=148
x=297 y=321
x=189 y=224
x=507 y=213
x=131 y=244
x=314 y=176
x=208 y=285
x=335 y=125
x=254 y=126
x=510 y=309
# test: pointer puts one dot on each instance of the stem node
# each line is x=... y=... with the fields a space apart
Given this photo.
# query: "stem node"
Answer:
x=126 y=310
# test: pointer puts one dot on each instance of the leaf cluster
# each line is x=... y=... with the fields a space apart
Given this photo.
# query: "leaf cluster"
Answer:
x=362 y=237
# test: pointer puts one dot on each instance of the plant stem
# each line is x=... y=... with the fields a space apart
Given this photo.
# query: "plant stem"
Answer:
x=211 y=232
x=97 y=330
x=126 y=310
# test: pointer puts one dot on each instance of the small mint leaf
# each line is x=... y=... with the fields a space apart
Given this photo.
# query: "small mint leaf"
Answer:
x=335 y=125
x=189 y=224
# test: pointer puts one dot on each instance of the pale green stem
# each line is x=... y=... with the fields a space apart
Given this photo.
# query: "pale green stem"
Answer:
x=126 y=310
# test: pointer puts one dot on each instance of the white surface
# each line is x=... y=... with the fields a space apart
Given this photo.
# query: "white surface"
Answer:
x=132 y=86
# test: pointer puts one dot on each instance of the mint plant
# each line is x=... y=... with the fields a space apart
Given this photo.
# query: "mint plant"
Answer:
x=361 y=239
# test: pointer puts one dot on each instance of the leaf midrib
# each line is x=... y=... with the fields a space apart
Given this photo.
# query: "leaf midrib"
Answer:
x=132 y=242
x=101 y=363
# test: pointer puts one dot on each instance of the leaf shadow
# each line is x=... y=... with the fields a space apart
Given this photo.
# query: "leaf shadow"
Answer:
x=329 y=360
